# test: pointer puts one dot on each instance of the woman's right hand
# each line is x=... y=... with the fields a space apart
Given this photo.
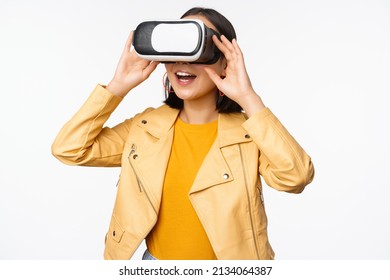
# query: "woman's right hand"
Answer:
x=131 y=70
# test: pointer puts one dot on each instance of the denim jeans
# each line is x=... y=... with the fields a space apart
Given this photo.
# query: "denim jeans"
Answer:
x=147 y=256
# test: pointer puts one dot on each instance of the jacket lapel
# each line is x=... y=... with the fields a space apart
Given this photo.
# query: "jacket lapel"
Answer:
x=153 y=159
x=215 y=168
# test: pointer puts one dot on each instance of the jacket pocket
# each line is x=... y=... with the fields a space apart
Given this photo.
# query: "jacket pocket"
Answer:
x=115 y=231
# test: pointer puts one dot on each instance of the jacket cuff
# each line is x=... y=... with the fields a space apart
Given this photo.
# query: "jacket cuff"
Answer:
x=255 y=120
x=100 y=95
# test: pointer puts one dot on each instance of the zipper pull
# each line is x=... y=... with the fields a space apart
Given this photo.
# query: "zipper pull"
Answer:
x=132 y=151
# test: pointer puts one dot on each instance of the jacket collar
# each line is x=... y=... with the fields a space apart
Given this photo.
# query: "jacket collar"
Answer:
x=230 y=130
x=159 y=122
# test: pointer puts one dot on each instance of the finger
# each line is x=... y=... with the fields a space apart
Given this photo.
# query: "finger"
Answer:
x=150 y=68
x=221 y=47
x=213 y=76
x=128 y=42
x=236 y=47
x=232 y=55
x=227 y=44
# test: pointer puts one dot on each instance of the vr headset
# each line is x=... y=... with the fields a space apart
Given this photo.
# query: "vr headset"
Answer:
x=184 y=40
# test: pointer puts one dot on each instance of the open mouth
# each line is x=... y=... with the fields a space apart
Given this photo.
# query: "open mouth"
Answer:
x=184 y=76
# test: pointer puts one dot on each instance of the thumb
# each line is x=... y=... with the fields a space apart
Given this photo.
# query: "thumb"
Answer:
x=213 y=76
x=150 y=68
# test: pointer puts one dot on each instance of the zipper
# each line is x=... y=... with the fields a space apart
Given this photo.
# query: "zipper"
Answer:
x=132 y=153
x=142 y=190
x=249 y=202
x=140 y=186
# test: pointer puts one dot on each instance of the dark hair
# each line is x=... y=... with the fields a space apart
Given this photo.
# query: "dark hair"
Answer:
x=224 y=104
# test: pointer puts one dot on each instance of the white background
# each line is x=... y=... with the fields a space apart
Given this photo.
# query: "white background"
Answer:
x=323 y=67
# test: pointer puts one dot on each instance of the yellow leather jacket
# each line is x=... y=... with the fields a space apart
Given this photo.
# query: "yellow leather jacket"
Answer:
x=227 y=192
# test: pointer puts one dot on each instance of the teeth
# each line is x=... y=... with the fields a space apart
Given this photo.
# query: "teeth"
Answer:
x=184 y=74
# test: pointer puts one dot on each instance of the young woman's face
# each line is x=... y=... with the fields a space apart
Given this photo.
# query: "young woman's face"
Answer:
x=190 y=81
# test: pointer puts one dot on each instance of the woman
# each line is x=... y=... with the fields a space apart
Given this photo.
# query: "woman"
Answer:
x=190 y=169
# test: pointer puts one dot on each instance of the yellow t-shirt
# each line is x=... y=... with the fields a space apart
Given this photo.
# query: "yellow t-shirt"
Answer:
x=178 y=233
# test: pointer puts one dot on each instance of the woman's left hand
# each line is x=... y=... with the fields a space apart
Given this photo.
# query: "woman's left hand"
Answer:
x=236 y=84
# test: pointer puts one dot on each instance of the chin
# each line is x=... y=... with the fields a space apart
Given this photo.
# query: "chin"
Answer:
x=185 y=94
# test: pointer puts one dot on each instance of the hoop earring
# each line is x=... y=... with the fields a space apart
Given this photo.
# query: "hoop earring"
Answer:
x=220 y=92
x=166 y=84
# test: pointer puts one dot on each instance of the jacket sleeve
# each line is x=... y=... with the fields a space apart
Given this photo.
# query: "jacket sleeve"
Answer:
x=84 y=141
x=284 y=165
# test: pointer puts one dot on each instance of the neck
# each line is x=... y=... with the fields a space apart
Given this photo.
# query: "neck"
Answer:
x=194 y=113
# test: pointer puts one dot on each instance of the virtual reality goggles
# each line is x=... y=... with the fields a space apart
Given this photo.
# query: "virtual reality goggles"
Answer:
x=184 y=40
